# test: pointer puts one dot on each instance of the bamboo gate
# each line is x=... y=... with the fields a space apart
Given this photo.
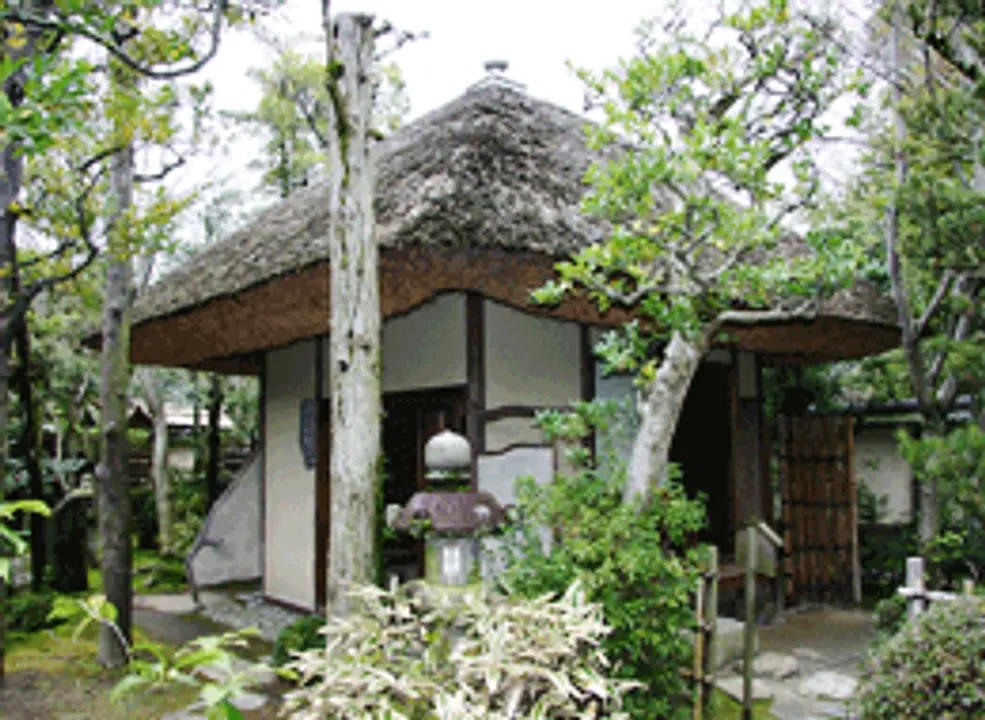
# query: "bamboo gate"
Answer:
x=820 y=509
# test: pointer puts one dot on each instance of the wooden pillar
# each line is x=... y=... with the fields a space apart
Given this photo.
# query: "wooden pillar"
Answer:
x=322 y=477
x=263 y=475
x=587 y=367
x=475 y=357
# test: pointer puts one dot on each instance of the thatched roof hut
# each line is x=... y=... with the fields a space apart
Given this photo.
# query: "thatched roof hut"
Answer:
x=482 y=194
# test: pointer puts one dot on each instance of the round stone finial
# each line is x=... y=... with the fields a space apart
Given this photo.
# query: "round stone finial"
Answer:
x=496 y=66
x=447 y=451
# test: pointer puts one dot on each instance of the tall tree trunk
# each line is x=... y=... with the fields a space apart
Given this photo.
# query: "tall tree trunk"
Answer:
x=214 y=439
x=355 y=302
x=154 y=395
x=162 y=483
x=114 y=498
x=660 y=403
x=929 y=526
x=29 y=449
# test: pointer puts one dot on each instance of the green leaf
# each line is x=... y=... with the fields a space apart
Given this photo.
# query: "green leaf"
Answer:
x=127 y=686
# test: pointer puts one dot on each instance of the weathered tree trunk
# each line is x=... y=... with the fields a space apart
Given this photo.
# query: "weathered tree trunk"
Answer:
x=113 y=496
x=154 y=395
x=216 y=397
x=660 y=404
x=929 y=525
x=28 y=448
x=355 y=300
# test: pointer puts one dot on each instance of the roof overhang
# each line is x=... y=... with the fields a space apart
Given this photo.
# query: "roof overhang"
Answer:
x=229 y=334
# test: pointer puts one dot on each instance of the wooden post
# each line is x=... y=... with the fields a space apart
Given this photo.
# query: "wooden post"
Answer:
x=968 y=587
x=699 y=643
x=915 y=582
x=749 y=639
x=711 y=621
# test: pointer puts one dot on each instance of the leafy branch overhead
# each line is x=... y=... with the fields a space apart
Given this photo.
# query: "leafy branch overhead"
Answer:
x=707 y=142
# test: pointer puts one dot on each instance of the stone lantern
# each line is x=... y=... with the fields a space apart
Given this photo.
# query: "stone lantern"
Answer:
x=450 y=514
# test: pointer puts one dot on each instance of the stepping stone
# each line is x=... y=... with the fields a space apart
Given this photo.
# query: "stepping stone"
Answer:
x=828 y=685
x=774 y=666
x=808 y=654
x=171 y=604
x=732 y=686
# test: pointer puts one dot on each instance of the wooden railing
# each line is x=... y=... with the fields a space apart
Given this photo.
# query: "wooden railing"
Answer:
x=916 y=593
x=753 y=528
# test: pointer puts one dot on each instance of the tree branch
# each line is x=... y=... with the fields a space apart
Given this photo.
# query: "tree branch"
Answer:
x=67 y=25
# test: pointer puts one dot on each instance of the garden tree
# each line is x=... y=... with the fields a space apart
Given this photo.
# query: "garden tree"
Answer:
x=293 y=117
x=43 y=76
x=354 y=354
x=699 y=131
x=152 y=385
x=920 y=197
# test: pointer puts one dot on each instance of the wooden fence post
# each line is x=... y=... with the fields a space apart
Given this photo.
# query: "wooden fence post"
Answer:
x=968 y=587
x=711 y=622
x=749 y=640
x=915 y=583
x=699 y=647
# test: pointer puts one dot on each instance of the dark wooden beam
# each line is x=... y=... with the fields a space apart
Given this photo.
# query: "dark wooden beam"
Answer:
x=263 y=474
x=476 y=377
x=322 y=487
x=587 y=365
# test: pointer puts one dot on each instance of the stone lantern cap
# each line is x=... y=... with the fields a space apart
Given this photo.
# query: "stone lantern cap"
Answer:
x=447 y=450
x=451 y=512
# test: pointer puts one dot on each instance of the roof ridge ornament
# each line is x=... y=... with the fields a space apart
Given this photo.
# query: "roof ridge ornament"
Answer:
x=496 y=76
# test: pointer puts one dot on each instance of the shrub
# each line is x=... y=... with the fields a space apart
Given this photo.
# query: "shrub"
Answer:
x=28 y=611
x=883 y=547
x=932 y=668
x=889 y=615
x=300 y=635
x=189 y=503
x=634 y=561
x=429 y=656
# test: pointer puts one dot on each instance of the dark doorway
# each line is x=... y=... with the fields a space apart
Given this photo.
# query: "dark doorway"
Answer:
x=410 y=419
x=703 y=448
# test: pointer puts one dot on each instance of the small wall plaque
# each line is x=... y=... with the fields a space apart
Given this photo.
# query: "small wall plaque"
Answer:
x=308 y=432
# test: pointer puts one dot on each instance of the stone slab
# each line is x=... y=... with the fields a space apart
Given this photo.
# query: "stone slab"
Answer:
x=775 y=666
x=732 y=686
x=827 y=684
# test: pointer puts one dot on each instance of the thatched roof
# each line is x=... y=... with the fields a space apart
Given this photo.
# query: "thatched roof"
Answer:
x=494 y=177
x=493 y=168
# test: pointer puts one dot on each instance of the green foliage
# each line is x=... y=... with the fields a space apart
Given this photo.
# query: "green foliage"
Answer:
x=883 y=548
x=636 y=560
x=11 y=542
x=292 y=116
x=931 y=668
x=159 y=574
x=152 y=666
x=302 y=634
x=189 y=508
x=686 y=117
x=28 y=611
x=424 y=655
x=956 y=461
x=889 y=616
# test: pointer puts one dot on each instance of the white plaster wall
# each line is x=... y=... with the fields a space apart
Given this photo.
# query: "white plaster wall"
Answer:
x=289 y=525
x=426 y=347
x=616 y=443
x=529 y=360
x=233 y=527
x=880 y=466
x=497 y=475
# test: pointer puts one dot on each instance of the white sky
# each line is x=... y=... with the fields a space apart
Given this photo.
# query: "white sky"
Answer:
x=536 y=37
